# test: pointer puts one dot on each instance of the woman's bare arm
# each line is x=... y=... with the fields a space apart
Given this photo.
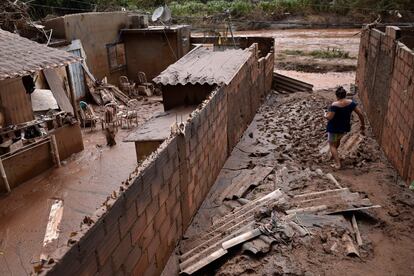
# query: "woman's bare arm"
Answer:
x=361 y=118
x=329 y=115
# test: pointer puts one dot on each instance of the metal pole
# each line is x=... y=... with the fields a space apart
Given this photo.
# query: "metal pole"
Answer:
x=4 y=176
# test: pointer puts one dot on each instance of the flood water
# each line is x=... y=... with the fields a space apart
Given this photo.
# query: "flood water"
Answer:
x=311 y=39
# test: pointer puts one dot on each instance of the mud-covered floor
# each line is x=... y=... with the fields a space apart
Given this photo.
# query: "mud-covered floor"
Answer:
x=289 y=132
x=83 y=183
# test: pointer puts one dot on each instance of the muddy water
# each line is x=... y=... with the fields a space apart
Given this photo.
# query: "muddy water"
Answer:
x=311 y=39
x=83 y=183
x=315 y=39
x=323 y=81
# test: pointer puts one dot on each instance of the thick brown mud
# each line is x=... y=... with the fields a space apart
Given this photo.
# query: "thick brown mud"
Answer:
x=289 y=132
x=83 y=183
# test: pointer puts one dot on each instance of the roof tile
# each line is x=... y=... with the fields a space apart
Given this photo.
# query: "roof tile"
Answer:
x=20 y=56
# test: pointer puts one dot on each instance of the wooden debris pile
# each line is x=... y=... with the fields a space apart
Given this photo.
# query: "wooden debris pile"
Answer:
x=104 y=93
x=15 y=18
x=278 y=218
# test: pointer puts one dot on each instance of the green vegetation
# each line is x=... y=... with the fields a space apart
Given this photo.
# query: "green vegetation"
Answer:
x=255 y=9
x=294 y=52
x=328 y=53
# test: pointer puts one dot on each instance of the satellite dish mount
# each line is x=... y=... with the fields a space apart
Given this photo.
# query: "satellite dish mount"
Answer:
x=162 y=15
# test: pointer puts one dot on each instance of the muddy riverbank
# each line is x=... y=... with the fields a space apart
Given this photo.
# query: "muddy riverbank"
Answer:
x=309 y=50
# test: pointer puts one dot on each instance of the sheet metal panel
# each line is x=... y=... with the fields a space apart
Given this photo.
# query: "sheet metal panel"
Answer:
x=76 y=70
x=78 y=78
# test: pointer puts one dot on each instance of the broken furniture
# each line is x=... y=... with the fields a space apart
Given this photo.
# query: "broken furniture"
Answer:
x=126 y=86
x=151 y=134
x=130 y=114
x=144 y=87
x=87 y=115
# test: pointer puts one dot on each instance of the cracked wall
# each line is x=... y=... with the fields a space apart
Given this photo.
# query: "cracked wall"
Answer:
x=385 y=82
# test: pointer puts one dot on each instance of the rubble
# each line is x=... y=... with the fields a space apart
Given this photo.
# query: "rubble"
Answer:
x=15 y=18
x=289 y=219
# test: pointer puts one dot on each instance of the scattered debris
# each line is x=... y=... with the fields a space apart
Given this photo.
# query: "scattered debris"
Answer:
x=245 y=181
x=290 y=219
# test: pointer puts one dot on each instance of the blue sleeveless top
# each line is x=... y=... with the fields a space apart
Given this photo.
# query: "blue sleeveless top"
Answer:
x=341 y=122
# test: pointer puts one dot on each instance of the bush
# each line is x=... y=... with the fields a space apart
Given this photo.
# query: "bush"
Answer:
x=218 y=6
x=190 y=8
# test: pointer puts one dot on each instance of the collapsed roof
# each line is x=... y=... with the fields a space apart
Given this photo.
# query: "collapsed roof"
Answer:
x=204 y=65
x=20 y=56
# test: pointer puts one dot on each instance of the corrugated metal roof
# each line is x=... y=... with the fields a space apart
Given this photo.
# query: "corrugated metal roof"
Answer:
x=204 y=65
x=20 y=56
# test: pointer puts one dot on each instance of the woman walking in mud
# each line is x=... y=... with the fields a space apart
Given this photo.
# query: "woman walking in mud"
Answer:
x=339 y=122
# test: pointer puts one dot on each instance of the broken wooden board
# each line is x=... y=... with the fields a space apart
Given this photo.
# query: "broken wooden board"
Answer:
x=329 y=201
x=262 y=244
x=52 y=228
x=56 y=84
x=247 y=179
x=202 y=263
x=230 y=230
x=358 y=237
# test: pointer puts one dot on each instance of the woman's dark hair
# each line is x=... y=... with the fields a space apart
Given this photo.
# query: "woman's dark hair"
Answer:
x=340 y=93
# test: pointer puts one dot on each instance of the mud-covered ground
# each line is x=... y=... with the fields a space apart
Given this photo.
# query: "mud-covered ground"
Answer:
x=288 y=133
x=83 y=183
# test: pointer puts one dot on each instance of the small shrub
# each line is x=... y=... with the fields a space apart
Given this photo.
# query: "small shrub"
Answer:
x=330 y=53
x=294 y=52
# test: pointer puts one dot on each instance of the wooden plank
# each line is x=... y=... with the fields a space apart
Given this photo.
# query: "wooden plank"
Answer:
x=241 y=238
x=356 y=230
x=301 y=196
x=333 y=179
x=353 y=209
x=209 y=259
x=312 y=209
x=56 y=85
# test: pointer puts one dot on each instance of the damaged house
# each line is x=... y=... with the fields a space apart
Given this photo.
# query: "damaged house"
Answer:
x=38 y=121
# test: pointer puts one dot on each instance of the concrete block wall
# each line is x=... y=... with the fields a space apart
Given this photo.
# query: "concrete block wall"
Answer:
x=385 y=78
x=204 y=151
x=137 y=228
x=246 y=91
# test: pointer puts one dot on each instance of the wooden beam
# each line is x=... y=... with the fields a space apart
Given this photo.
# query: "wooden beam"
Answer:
x=356 y=230
x=4 y=176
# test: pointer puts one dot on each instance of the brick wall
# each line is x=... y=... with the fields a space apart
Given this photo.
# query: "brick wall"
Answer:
x=385 y=82
x=137 y=228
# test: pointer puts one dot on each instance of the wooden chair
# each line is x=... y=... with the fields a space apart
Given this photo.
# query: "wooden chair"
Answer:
x=131 y=115
x=87 y=115
x=144 y=87
x=111 y=117
x=126 y=86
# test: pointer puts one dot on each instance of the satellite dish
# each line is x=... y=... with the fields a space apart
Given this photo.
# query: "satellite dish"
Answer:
x=162 y=14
